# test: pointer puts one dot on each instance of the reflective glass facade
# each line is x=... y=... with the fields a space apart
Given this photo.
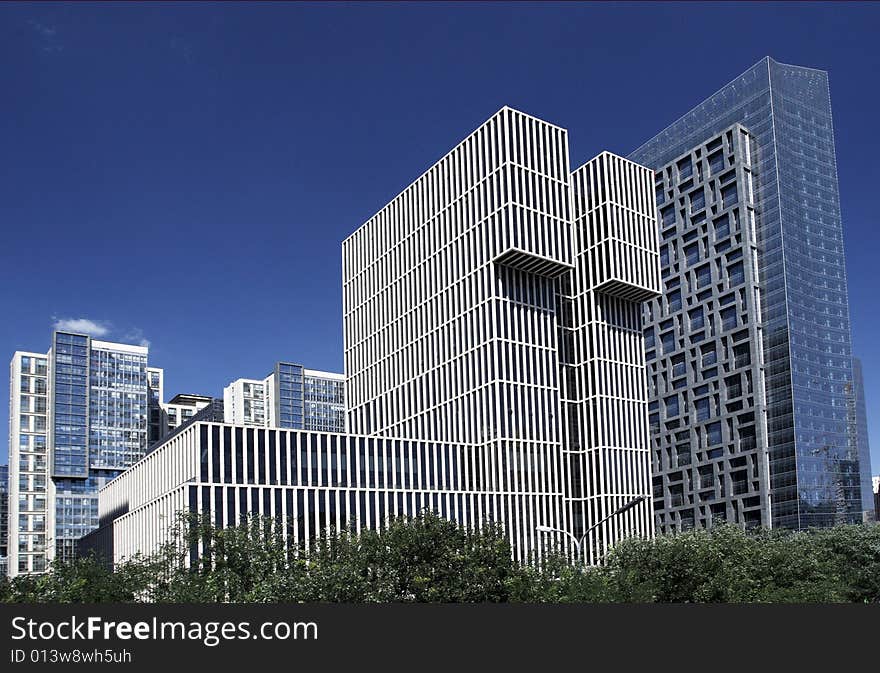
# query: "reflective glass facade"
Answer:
x=861 y=440
x=323 y=403
x=813 y=464
x=289 y=393
x=69 y=402
x=117 y=408
x=100 y=404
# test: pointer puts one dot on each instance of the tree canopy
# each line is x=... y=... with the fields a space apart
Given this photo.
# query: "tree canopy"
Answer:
x=430 y=559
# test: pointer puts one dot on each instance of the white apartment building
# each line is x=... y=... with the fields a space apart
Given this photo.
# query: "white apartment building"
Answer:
x=28 y=463
x=291 y=396
x=245 y=402
x=180 y=409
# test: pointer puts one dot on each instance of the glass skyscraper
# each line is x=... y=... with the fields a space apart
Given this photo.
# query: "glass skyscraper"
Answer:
x=811 y=466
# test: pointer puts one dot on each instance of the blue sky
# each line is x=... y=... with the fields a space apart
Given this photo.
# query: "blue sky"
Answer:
x=184 y=174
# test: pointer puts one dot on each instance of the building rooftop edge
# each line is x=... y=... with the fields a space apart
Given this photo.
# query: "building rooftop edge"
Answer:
x=766 y=59
x=451 y=150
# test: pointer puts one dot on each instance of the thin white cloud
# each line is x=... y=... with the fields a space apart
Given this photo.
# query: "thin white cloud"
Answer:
x=47 y=36
x=136 y=336
x=83 y=326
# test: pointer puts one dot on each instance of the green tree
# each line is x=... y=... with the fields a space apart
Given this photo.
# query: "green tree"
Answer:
x=429 y=559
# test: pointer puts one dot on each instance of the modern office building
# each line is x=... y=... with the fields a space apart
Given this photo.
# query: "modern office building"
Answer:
x=291 y=396
x=78 y=417
x=490 y=304
x=494 y=366
x=749 y=356
x=863 y=447
x=4 y=518
x=308 y=481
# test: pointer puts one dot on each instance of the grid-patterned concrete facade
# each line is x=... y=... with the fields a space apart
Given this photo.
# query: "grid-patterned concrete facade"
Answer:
x=705 y=363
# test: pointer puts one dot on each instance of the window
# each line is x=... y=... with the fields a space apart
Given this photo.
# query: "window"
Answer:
x=701 y=407
x=713 y=433
x=698 y=200
x=678 y=365
x=734 y=386
x=735 y=274
x=722 y=227
x=668 y=342
x=742 y=356
x=728 y=195
x=696 y=318
x=671 y=406
x=692 y=253
x=674 y=299
x=728 y=318
x=704 y=276
x=708 y=355
x=685 y=168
